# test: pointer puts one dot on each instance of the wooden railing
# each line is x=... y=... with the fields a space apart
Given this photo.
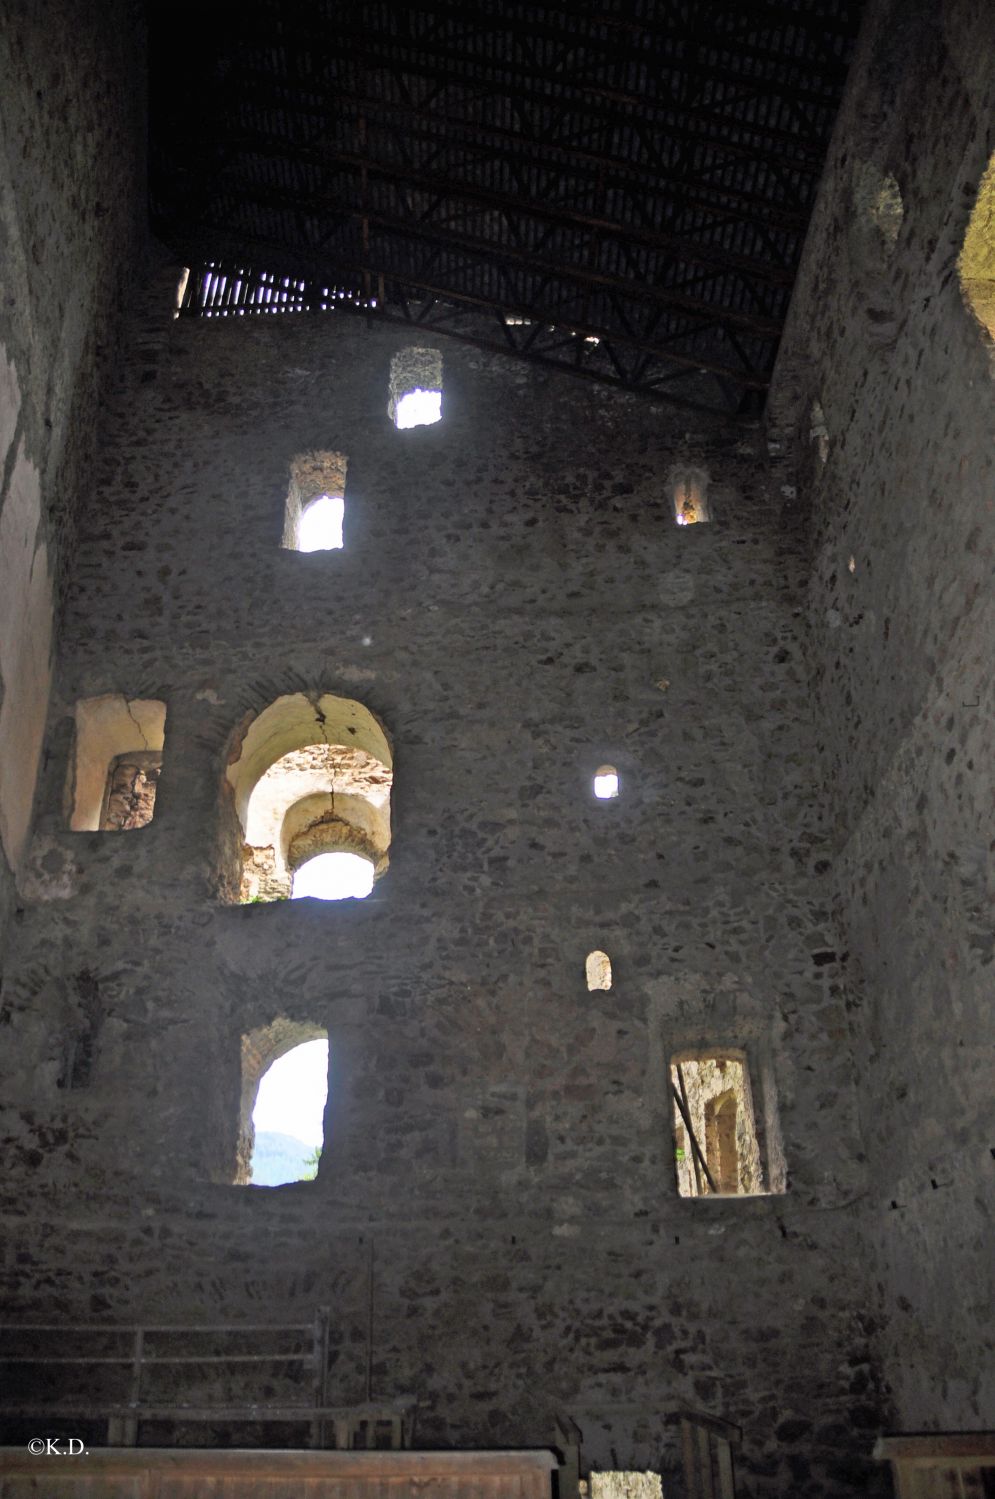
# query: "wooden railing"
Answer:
x=707 y=1446
x=138 y=1351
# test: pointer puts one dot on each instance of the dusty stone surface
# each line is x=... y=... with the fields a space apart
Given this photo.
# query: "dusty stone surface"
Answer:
x=513 y=592
x=903 y=621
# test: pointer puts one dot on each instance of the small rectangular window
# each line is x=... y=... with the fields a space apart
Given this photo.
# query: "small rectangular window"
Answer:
x=415 y=388
x=316 y=503
x=717 y=1144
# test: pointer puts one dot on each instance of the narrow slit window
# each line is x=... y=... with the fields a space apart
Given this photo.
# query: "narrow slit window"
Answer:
x=606 y=783
x=716 y=1144
x=315 y=510
x=284 y=1093
x=689 y=496
x=599 y=971
x=114 y=775
x=415 y=388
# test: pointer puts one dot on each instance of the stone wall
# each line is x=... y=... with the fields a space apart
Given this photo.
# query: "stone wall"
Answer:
x=71 y=201
x=903 y=623
x=516 y=604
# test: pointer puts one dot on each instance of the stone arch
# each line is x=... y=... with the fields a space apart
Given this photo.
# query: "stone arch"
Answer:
x=721 y=1152
x=312 y=773
x=260 y=1049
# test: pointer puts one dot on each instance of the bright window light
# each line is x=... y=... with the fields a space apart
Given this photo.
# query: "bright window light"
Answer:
x=606 y=783
x=320 y=528
x=418 y=408
x=334 y=877
x=290 y=1106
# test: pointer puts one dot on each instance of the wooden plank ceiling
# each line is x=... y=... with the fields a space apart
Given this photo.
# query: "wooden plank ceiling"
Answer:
x=620 y=188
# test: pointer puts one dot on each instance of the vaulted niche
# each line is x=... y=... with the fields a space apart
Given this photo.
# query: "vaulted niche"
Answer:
x=282 y=1107
x=312 y=780
x=976 y=265
x=415 y=388
x=716 y=1135
x=316 y=503
x=115 y=767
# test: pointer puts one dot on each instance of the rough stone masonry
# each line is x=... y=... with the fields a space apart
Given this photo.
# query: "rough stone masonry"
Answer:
x=797 y=866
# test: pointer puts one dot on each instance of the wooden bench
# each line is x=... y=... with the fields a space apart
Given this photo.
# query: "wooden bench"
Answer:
x=941 y=1465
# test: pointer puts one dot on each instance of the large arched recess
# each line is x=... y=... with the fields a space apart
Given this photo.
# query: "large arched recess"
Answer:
x=323 y=765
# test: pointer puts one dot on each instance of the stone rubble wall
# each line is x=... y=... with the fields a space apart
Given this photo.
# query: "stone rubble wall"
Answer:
x=72 y=201
x=903 y=623
x=517 y=606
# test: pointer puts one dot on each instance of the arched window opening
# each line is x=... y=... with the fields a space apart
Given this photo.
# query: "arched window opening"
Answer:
x=599 y=971
x=976 y=265
x=689 y=495
x=313 y=778
x=333 y=876
x=316 y=503
x=284 y=1093
x=716 y=1144
x=415 y=388
x=606 y=783
x=720 y=1140
x=115 y=768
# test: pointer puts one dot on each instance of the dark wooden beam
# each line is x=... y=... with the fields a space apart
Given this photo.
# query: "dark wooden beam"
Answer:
x=576 y=277
x=356 y=273
x=248 y=191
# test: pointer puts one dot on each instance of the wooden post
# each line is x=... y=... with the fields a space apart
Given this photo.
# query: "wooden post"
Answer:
x=568 y=1437
x=129 y=1425
x=695 y=1147
x=320 y=1376
x=727 y=1483
x=688 y=1455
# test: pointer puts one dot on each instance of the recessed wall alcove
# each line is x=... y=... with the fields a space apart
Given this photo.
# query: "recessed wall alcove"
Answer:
x=115 y=765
